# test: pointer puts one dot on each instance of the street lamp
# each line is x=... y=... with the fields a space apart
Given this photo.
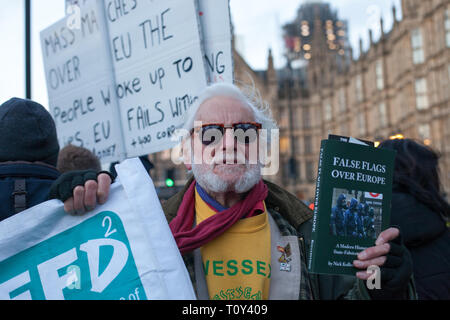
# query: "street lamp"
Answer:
x=28 y=49
x=292 y=160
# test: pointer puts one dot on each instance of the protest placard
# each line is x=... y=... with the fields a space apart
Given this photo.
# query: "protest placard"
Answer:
x=216 y=28
x=162 y=53
x=80 y=80
x=123 y=250
x=159 y=68
x=216 y=35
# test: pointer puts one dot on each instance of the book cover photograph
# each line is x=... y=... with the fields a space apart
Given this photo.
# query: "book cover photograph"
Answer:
x=352 y=203
x=356 y=214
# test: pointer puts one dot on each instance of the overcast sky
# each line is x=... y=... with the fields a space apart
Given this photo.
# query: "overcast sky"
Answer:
x=257 y=26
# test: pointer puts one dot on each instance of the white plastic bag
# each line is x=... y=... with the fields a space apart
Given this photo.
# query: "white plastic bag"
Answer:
x=122 y=250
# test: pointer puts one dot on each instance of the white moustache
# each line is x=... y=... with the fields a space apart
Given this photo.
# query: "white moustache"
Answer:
x=229 y=158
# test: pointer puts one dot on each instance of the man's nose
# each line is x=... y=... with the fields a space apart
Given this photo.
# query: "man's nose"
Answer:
x=228 y=140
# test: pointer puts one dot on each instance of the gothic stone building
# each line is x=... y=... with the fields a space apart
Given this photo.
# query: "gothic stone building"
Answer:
x=400 y=85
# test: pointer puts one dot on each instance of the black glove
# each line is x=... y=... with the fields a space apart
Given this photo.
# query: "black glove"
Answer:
x=395 y=272
x=62 y=188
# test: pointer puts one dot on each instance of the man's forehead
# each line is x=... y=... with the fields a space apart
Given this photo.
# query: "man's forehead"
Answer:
x=224 y=108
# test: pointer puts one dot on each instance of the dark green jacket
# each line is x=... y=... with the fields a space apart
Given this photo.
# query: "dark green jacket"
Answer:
x=293 y=218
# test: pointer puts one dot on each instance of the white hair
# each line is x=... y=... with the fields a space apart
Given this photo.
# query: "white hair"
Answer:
x=249 y=96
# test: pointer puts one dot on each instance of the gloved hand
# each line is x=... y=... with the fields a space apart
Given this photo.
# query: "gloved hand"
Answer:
x=397 y=270
x=394 y=261
x=73 y=184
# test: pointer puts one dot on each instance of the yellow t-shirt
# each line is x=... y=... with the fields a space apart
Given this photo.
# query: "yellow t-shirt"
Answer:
x=237 y=263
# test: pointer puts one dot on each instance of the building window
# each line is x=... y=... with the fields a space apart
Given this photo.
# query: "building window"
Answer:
x=359 y=88
x=342 y=100
x=286 y=173
x=361 y=124
x=296 y=113
x=310 y=173
x=297 y=145
x=343 y=128
x=308 y=144
x=417 y=46
x=421 y=94
x=424 y=133
x=382 y=114
x=379 y=74
x=447 y=27
x=284 y=144
x=283 y=120
x=306 y=118
x=328 y=112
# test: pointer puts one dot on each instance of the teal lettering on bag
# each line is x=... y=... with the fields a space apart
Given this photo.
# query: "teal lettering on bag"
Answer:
x=92 y=260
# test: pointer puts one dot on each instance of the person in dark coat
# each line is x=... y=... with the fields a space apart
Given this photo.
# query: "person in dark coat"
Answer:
x=235 y=191
x=360 y=221
x=28 y=155
x=337 y=216
x=420 y=211
x=369 y=223
x=350 y=218
x=29 y=152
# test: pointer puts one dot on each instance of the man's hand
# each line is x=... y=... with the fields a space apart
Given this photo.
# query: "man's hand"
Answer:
x=86 y=197
x=391 y=256
x=375 y=256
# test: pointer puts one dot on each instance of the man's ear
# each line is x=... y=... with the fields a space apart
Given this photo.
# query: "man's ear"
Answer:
x=187 y=153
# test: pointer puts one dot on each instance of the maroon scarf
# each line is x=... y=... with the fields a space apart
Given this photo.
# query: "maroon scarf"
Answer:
x=188 y=238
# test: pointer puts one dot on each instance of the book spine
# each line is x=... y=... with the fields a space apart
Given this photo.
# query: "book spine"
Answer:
x=314 y=232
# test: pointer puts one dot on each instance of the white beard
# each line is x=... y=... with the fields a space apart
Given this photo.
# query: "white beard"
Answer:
x=210 y=181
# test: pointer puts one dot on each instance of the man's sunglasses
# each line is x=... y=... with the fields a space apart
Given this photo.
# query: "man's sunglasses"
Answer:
x=245 y=132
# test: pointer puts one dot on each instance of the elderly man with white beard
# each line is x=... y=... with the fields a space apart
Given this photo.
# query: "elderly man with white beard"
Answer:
x=242 y=237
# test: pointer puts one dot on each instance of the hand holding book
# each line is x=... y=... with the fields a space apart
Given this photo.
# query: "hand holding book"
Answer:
x=352 y=207
x=376 y=255
x=351 y=233
x=394 y=261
